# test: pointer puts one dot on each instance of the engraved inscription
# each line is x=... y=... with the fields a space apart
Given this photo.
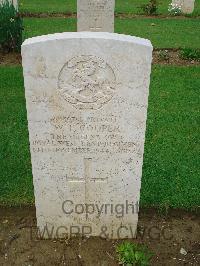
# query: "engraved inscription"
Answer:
x=88 y=176
x=97 y=5
x=87 y=82
x=77 y=135
x=87 y=172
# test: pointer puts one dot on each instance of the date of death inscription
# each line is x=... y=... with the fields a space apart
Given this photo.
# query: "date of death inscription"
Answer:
x=94 y=136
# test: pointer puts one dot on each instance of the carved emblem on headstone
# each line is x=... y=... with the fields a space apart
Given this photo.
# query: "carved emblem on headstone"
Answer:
x=87 y=82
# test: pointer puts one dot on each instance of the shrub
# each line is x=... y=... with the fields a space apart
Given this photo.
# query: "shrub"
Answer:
x=163 y=55
x=150 y=8
x=175 y=9
x=133 y=254
x=10 y=27
x=191 y=54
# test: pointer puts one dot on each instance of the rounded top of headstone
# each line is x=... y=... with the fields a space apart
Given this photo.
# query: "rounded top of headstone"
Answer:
x=88 y=35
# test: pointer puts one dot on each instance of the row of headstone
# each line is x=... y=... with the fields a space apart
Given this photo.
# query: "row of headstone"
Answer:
x=187 y=6
x=87 y=98
x=97 y=15
x=93 y=15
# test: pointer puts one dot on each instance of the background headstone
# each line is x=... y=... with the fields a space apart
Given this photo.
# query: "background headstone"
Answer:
x=87 y=98
x=187 y=6
x=15 y=2
x=95 y=15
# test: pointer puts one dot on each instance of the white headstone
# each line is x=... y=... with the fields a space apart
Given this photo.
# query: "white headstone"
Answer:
x=187 y=6
x=87 y=97
x=95 y=15
x=15 y=2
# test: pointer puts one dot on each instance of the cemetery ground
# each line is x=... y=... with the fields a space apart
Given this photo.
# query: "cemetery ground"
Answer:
x=170 y=182
x=163 y=235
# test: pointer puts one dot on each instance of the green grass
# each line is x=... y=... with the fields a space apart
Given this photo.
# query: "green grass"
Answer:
x=41 y=26
x=167 y=33
x=15 y=169
x=125 y=6
x=171 y=168
x=171 y=173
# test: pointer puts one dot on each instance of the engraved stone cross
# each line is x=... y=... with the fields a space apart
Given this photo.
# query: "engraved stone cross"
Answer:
x=87 y=179
x=87 y=173
x=95 y=27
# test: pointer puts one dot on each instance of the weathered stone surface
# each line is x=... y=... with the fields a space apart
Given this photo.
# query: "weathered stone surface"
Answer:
x=15 y=2
x=87 y=97
x=187 y=6
x=95 y=15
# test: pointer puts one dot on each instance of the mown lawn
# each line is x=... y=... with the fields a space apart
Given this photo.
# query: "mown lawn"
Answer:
x=171 y=170
x=124 y=6
x=164 y=33
x=15 y=168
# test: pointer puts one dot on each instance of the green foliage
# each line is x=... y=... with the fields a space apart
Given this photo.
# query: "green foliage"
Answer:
x=10 y=27
x=191 y=54
x=164 y=55
x=174 y=9
x=133 y=254
x=150 y=8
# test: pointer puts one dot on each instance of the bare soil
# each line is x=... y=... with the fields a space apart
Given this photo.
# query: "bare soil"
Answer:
x=48 y=15
x=163 y=235
x=117 y=15
x=7 y=59
x=172 y=58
